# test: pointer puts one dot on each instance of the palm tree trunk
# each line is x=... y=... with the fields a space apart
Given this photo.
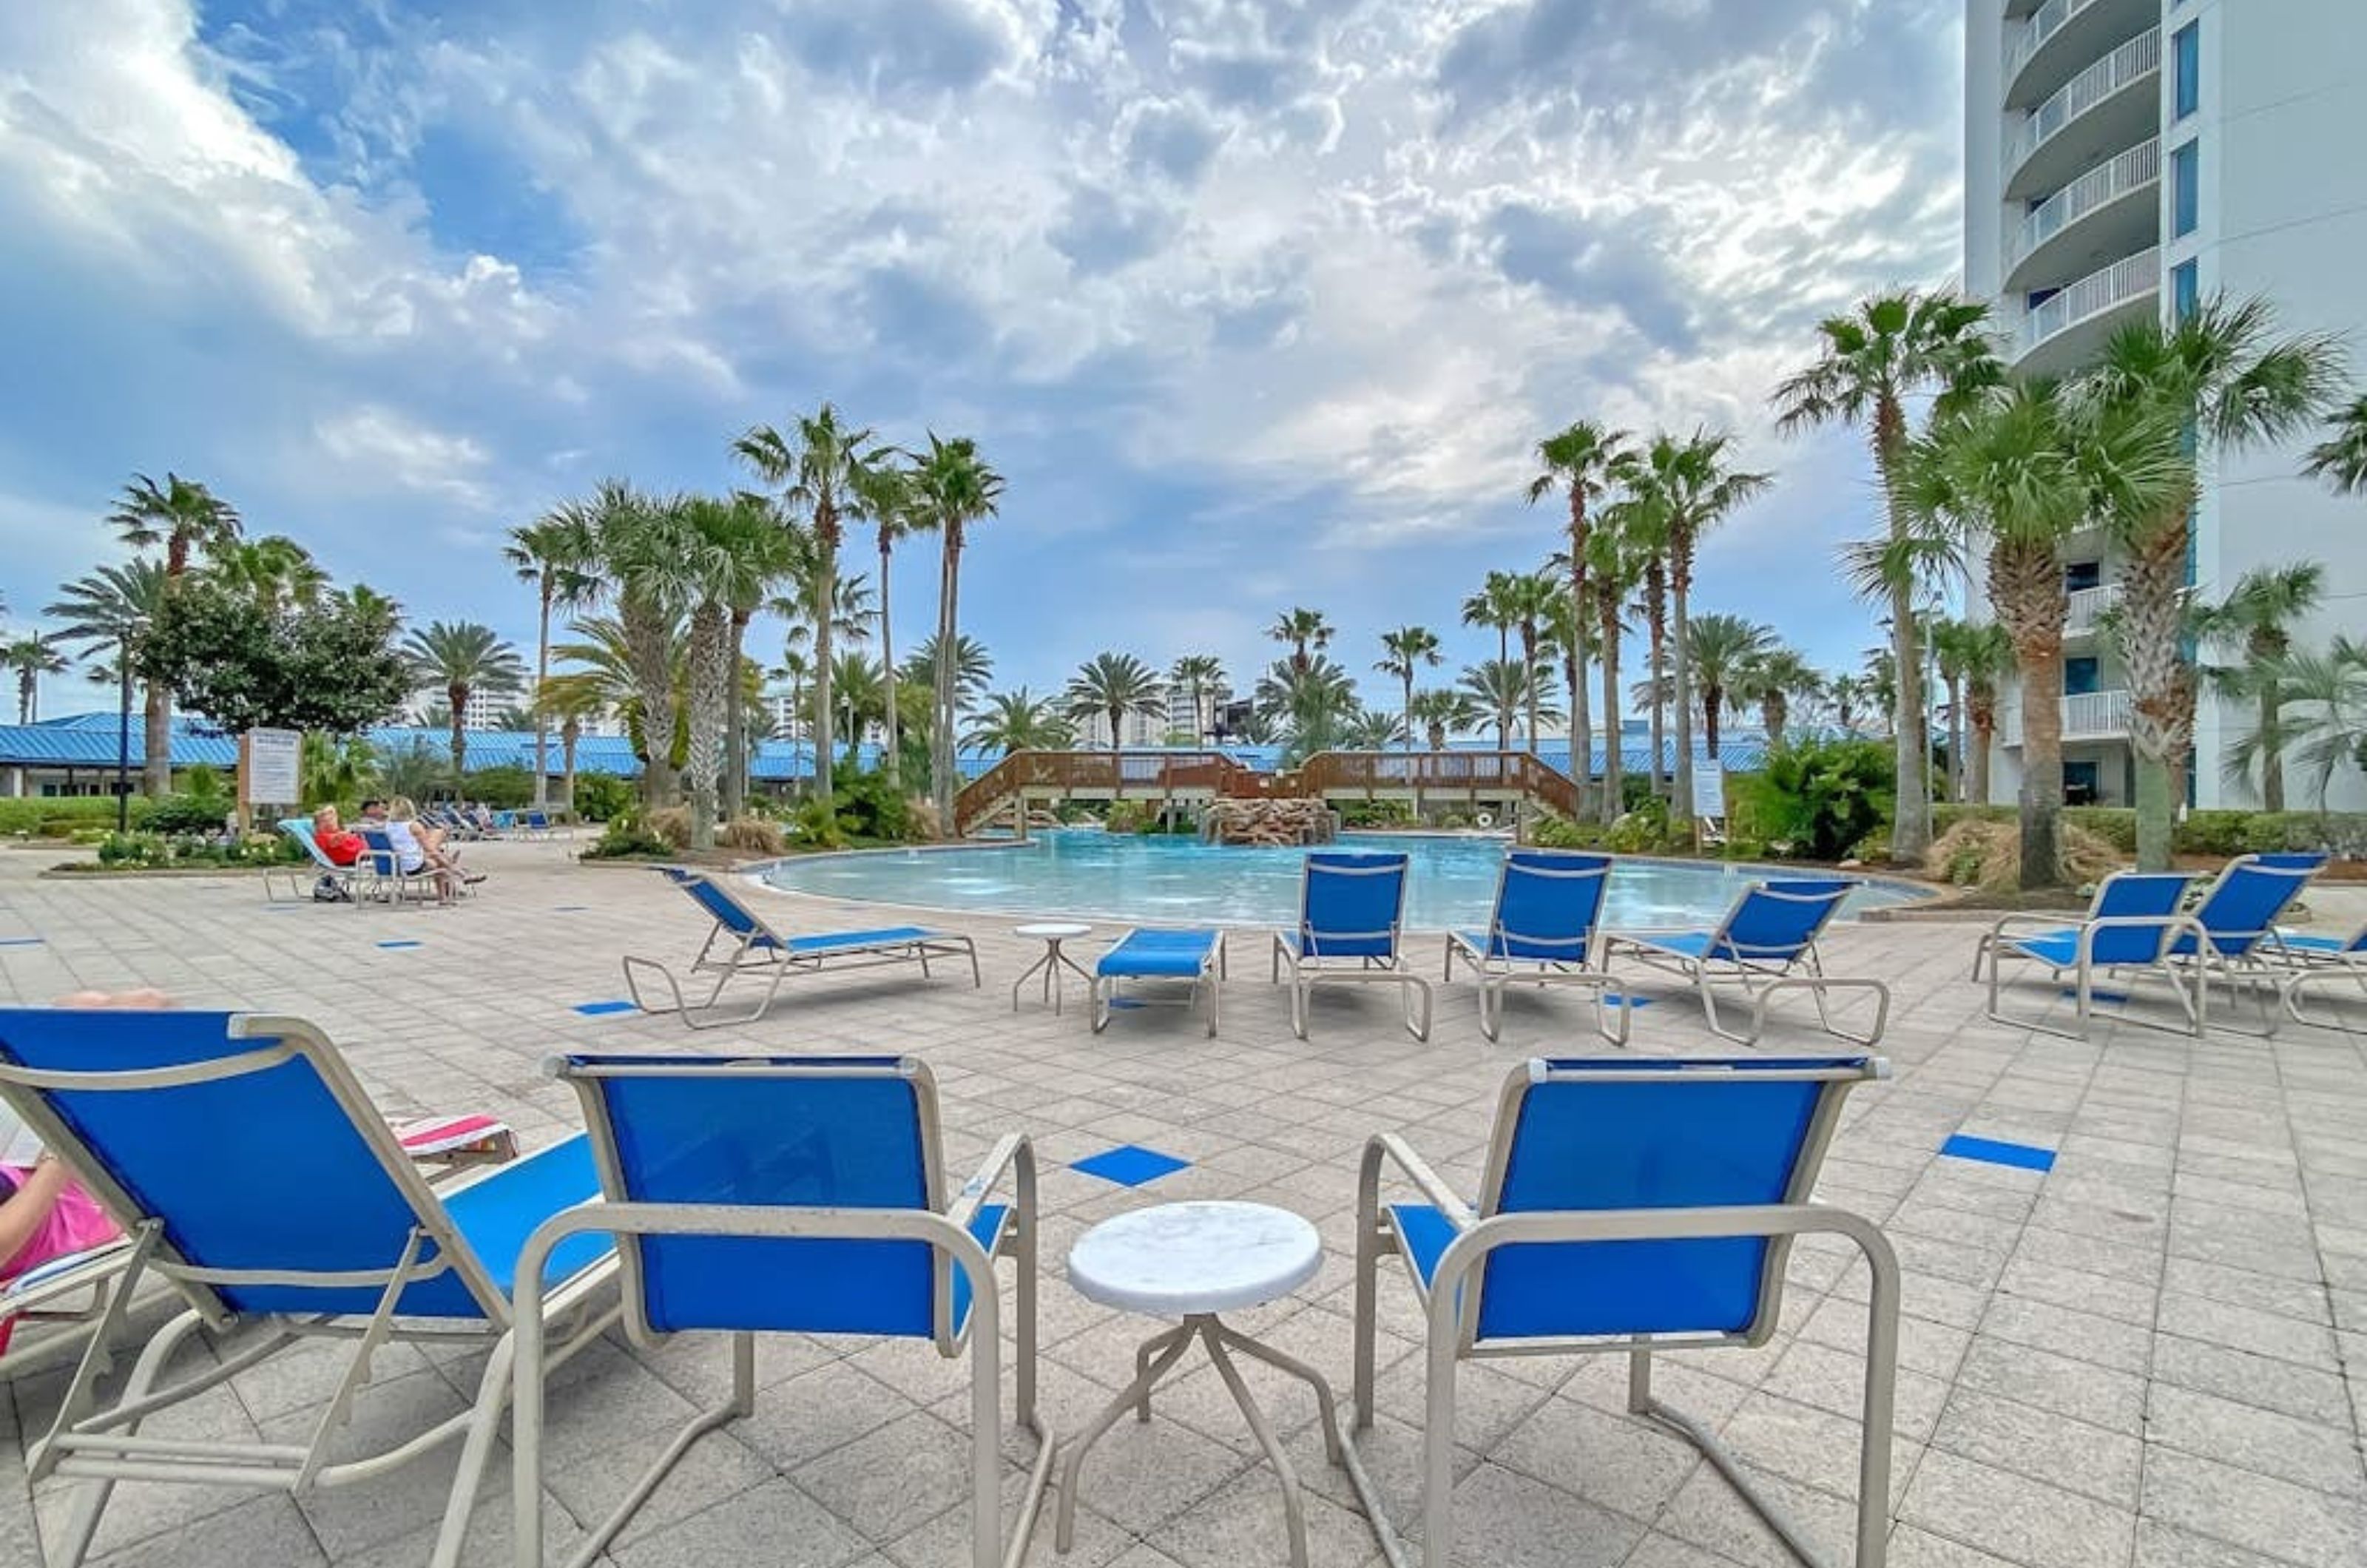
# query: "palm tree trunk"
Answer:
x=157 y=766
x=1529 y=670
x=735 y=722
x=1409 y=704
x=1656 y=584
x=2026 y=586
x=710 y=640
x=459 y=698
x=1612 y=782
x=891 y=759
x=2152 y=620
x=649 y=640
x=1977 y=757
x=941 y=744
x=1713 y=700
x=1955 y=737
x=1911 y=831
x=1680 y=675
x=568 y=735
x=542 y=719
x=2272 y=742
x=825 y=716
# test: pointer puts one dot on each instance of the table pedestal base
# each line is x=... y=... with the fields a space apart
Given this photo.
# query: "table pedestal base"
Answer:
x=1152 y=1361
x=1049 y=966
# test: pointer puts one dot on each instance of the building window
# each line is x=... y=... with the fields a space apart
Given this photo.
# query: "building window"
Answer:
x=2081 y=574
x=2186 y=62
x=2185 y=291
x=2186 y=188
x=2081 y=676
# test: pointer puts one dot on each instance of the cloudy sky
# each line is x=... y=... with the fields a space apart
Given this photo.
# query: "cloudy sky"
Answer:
x=1254 y=302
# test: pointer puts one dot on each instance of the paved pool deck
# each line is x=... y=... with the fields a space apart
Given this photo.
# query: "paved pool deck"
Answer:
x=2153 y=1355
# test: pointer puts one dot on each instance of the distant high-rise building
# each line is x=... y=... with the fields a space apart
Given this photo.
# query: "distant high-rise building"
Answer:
x=1181 y=718
x=2130 y=157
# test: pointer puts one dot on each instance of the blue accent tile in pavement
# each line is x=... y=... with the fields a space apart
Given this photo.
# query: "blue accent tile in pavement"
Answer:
x=1129 y=1165
x=569 y=909
x=401 y=944
x=1994 y=1151
x=1612 y=999
x=20 y=941
x=597 y=1010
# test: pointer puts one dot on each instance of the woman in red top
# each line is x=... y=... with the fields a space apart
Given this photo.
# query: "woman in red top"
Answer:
x=341 y=846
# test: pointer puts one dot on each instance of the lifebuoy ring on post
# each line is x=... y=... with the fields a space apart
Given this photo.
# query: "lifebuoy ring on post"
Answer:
x=1485 y=819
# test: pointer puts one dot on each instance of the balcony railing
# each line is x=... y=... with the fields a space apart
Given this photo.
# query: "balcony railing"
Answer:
x=2043 y=24
x=2086 y=715
x=2138 y=58
x=2087 y=606
x=2129 y=278
x=2107 y=182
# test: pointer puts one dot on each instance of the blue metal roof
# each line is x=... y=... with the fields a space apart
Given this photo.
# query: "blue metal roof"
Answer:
x=88 y=740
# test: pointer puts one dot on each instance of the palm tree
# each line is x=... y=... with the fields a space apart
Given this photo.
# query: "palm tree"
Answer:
x=1582 y=462
x=1309 y=705
x=1492 y=607
x=956 y=489
x=1947 y=638
x=1442 y=713
x=1615 y=572
x=1688 y=490
x=465 y=660
x=891 y=503
x=1113 y=686
x=2327 y=712
x=2255 y=622
x=184 y=517
x=738 y=551
x=115 y=605
x=1017 y=721
x=31 y=656
x=2223 y=374
x=1503 y=687
x=1873 y=360
x=1303 y=630
x=1530 y=597
x=551 y=553
x=1721 y=651
x=1198 y=674
x=272 y=572
x=819 y=465
x=1570 y=640
x=1371 y=730
x=645 y=559
x=1403 y=651
x=1773 y=679
x=181 y=515
x=859 y=687
x=973 y=669
x=1986 y=657
x=570 y=699
x=2342 y=458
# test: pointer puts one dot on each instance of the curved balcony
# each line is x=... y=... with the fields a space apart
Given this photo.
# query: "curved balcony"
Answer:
x=2063 y=332
x=2063 y=36
x=2105 y=109
x=2105 y=214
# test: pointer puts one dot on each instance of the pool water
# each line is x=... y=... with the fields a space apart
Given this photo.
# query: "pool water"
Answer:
x=1161 y=880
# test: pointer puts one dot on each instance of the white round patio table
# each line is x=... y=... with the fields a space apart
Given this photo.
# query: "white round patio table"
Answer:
x=1051 y=933
x=1193 y=1261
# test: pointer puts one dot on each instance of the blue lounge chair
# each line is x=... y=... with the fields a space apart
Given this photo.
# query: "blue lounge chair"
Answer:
x=1541 y=932
x=535 y=824
x=1766 y=945
x=300 y=881
x=2310 y=961
x=2127 y=930
x=793 y=1195
x=1145 y=954
x=383 y=876
x=1629 y=1206
x=258 y=1182
x=748 y=945
x=1351 y=928
x=2233 y=937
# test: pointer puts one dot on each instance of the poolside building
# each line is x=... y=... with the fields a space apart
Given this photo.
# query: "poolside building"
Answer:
x=2126 y=157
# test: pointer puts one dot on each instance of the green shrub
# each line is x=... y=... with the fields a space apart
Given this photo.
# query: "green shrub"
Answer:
x=870 y=805
x=1560 y=833
x=1129 y=817
x=1642 y=830
x=2116 y=825
x=1947 y=814
x=190 y=813
x=2211 y=833
x=1375 y=813
x=603 y=798
x=816 y=827
x=1823 y=797
x=626 y=835
x=59 y=817
x=133 y=848
x=505 y=788
x=1635 y=789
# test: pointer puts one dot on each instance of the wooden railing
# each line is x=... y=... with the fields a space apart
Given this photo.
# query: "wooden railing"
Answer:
x=1115 y=773
x=1443 y=773
x=1151 y=774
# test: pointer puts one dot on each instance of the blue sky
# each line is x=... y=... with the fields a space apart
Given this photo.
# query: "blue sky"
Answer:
x=1254 y=302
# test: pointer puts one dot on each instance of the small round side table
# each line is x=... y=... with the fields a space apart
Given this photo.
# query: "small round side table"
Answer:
x=1051 y=933
x=1193 y=1261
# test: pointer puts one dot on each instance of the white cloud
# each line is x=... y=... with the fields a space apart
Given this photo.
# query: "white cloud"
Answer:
x=376 y=445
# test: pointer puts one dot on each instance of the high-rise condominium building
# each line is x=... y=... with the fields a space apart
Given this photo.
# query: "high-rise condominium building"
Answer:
x=2130 y=157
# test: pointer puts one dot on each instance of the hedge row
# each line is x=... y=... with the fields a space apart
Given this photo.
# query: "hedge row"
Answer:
x=57 y=816
x=2342 y=833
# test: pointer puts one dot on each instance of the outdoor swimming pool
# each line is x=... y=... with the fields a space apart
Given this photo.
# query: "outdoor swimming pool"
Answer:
x=1180 y=881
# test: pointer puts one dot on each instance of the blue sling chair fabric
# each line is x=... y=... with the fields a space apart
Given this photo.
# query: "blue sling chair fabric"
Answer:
x=1629 y=1205
x=1764 y=946
x=1541 y=932
x=254 y=1174
x=1196 y=955
x=797 y=1194
x=1351 y=929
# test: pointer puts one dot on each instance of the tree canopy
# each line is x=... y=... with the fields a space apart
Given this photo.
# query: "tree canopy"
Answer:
x=331 y=665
